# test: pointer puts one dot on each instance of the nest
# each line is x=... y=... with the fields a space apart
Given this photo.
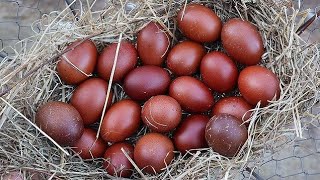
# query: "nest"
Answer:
x=28 y=79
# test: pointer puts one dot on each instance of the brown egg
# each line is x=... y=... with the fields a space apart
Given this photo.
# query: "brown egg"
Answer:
x=121 y=121
x=219 y=72
x=258 y=83
x=184 y=58
x=146 y=81
x=117 y=164
x=225 y=134
x=83 y=60
x=161 y=113
x=242 y=41
x=153 y=44
x=193 y=95
x=190 y=134
x=88 y=147
x=89 y=97
x=61 y=121
x=13 y=175
x=199 y=23
x=153 y=152
x=127 y=60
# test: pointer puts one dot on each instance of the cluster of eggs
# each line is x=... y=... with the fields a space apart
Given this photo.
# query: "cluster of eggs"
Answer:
x=165 y=86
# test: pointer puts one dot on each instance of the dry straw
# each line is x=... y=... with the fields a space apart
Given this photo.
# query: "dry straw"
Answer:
x=30 y=76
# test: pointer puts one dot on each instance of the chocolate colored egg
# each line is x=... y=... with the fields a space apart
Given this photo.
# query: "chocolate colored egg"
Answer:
x=89 y=98
x=161 y=113
x=219 y=72
x=153 y=44
x=192 y=94
x=127 y=60
x=225 y=134
x=82 y=60
x=199 y=23
x=117 y=164
x=146 y=81
x=257 y=83
x=153 y=152
x=88 y=147
x=190 y=134
x=121 y=121
x=242 y=41
x=61 y=121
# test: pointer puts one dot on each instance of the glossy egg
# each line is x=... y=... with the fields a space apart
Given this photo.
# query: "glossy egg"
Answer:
x=199 y=23
x=161 y=113
x=225 y=134
x=127 y=60
x=82 y=60
x=146 y=81
x=219 y=72
x=61 y=121
x=153 y=44
x=242 y=41
x=192 y=94
x=88 y=147
x=184 y=58
x=121 y=121
x=153 y=152
x=89 y=98
x=190 y=134
x=258 y=84
x=117 y=164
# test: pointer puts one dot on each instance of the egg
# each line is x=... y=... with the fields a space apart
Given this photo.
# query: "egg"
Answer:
x=219 y=72
x=184 y=58
x=89 y=98
x=77 y=64
x=61 y=121
x=242 y=41
x=258 y=84
x=161 y=113
x=192 y=94
x=88 y=147
x=153 y=152
x=121 y=121
x=190 y=134
x=13 y=175
x=225 y=134
x=146 y=81
x=127 y=60
x=117 y=164
x=153 y=44
x=199 y=23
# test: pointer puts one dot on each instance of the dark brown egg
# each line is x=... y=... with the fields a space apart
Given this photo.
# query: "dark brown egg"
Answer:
x=258 y=83
x=184 y=58
x=190 y=134
x=117 y=164
x=153 y=152
x=199 y=23
x=76 y=65
x=89 y=97
x=88 y=147
x=146 y=81
x=219 y=72
x=161 y=113
x=127 y=60
x=225 y=134
x=191 y=94
x=242 y=41
x=153 y=44
x=121 y=121
x=61 y=121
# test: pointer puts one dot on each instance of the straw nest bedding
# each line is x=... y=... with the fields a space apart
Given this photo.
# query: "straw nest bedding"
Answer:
x=30 y=76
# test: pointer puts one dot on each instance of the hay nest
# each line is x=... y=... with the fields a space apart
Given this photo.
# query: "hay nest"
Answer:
x=28 y=79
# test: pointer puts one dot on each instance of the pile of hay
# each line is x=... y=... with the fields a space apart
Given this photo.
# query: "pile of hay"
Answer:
x=29 y=79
